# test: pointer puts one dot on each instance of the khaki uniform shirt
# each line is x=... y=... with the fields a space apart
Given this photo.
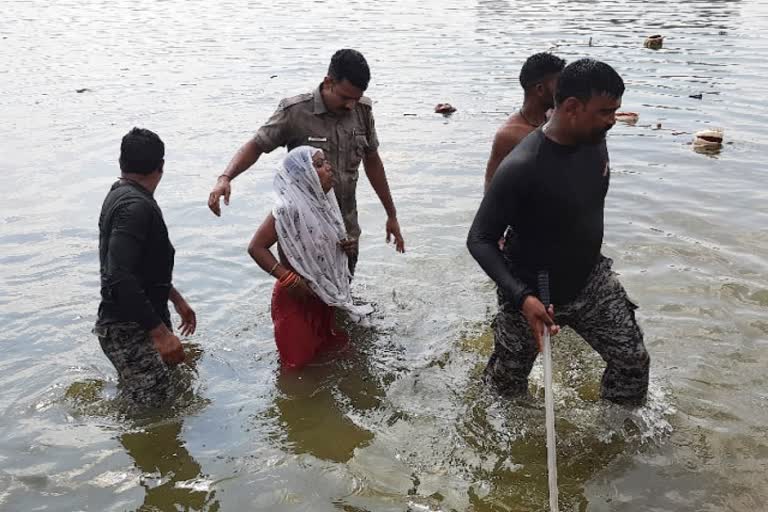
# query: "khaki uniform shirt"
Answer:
x=345 y=138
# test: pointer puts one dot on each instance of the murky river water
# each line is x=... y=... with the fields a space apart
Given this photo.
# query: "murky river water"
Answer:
x=401 y=422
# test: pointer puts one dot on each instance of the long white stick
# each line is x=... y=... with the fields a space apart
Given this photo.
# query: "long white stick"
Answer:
x=549 y=406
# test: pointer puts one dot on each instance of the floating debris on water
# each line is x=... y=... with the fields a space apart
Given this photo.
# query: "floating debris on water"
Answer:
x=711 y=136
x=84 y=89
x=696 y=96
x=709 y=140
x=445 y=109
x=627 y=117
x=654 y=42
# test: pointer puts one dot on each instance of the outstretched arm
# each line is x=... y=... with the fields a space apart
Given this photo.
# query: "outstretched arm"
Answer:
x=245 y=157
x=275 y=132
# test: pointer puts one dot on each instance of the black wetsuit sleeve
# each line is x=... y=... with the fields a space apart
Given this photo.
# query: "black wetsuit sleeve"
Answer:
x=498 y=210
x=131 y=223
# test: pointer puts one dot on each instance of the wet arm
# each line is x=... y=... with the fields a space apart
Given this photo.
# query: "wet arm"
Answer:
x=177 y=298
x=374 y=169
x=272 y=134
x=174 y=295
x=275 y=132
x=245 y=157
x=259 y=248
x=496 y=212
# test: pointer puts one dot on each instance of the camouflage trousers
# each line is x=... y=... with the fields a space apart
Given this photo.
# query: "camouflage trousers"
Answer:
x=603 y=315
x=144 y=378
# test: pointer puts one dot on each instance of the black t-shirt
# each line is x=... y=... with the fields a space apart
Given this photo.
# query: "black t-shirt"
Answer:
x=136 y=258
x=553 y=197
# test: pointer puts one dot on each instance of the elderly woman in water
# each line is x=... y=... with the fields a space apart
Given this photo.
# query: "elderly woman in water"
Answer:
x=312 y=273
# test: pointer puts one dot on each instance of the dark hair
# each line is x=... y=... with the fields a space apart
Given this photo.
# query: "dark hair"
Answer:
x=141 y=151
x=350 y=65
x=538 y=67
x=586 y=78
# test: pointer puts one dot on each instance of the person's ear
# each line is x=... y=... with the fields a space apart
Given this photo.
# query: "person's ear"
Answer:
x=328 y=82
x=571 y=106
x=160 y=167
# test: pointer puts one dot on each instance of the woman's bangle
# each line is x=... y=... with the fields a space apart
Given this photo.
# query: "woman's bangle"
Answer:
x=272 y=270
x=288 y=278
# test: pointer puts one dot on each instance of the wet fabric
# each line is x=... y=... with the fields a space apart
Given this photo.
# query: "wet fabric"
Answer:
x=553 y=197
x=136 y=258
x=309 y=228
x=143 y=377
x=345 y=138
x=303 y=328
x=603 y=315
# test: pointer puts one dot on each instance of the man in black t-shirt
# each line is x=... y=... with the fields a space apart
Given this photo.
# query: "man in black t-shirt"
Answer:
x=551 y=190
x=136 y=256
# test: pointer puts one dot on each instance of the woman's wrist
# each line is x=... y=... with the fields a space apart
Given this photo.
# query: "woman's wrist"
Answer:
x=290 y=279
x=279 y=271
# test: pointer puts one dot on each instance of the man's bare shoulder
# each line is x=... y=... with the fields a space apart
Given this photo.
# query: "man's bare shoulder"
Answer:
x=514 y=130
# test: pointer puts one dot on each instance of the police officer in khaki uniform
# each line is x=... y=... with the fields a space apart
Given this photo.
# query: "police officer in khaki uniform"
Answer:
x=336 y=118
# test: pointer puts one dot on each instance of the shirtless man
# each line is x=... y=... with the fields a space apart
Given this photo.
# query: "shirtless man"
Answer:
x=538 y=77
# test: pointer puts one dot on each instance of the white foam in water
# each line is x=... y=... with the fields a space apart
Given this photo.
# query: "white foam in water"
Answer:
x=600 y=419
x=650 y=420
x=196 y=484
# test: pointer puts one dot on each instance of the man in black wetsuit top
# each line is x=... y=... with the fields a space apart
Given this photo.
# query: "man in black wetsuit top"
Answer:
x=136 y=256
x=551 y=189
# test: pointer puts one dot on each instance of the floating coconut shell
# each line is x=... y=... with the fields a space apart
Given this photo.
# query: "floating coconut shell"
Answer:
x=444 y=108
x=627 y=117
x=654 y=42
x=711 y=139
